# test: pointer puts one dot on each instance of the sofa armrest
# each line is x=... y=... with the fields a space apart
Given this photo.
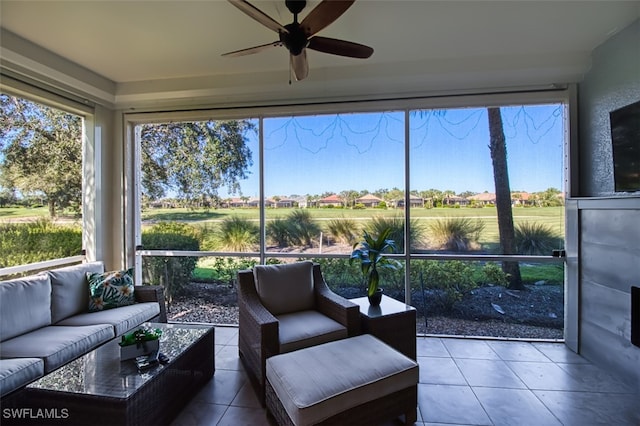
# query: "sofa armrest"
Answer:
x=152 y=293
x=335 y=306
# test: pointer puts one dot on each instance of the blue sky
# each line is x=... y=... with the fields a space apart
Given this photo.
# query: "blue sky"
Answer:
x=448 y=150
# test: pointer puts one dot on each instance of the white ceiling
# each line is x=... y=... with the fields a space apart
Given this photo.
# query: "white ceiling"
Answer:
x=171 y=49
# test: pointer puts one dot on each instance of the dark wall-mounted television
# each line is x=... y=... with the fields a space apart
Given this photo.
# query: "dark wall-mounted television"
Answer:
x=625 y=137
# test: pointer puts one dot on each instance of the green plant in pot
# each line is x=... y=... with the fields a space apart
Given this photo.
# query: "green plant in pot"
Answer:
x=369 y=252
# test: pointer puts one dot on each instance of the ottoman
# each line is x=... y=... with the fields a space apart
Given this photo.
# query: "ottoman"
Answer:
x=359 y=380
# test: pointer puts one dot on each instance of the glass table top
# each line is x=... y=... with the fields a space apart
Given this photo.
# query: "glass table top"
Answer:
x=388 y=306
x=101 y=373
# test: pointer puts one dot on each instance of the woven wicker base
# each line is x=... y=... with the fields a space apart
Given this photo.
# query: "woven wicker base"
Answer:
x=155 y=403
x=376 y=411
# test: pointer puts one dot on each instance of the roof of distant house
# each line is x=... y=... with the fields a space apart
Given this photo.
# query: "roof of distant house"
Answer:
x=484 y=196
x=368 y=197
x=331 y=199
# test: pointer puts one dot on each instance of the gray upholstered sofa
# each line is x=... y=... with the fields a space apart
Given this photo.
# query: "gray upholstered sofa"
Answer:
x=45 y=323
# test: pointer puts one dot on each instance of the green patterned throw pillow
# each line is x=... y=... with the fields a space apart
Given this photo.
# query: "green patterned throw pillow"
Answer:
x=111 y=289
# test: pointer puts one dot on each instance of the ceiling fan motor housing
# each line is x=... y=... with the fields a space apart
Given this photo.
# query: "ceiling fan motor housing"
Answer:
x=296 y=40
x=295 y=6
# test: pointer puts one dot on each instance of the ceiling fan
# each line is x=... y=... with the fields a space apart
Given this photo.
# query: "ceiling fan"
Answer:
x=298 y=36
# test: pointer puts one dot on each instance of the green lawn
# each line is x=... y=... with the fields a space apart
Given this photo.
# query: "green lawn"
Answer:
x=551 y=216
x=23 y=213
x=548 y=214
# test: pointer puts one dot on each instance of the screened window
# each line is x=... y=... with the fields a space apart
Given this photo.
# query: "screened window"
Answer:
x=462 y=168
x=41 y=183
x=473 y=198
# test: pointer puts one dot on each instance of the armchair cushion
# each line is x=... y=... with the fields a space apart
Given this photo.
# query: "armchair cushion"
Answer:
x=299 y=330
x=285 y=288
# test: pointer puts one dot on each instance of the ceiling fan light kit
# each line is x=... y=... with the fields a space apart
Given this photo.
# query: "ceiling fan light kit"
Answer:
x=299 y=36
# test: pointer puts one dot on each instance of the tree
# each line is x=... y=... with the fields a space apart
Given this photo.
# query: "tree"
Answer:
x=394 y=195
x=348 y=197
x=435 y=195
x=7 y=197
x=551 y=197
x=42 y=149
x=195 y=159
x=498 y=149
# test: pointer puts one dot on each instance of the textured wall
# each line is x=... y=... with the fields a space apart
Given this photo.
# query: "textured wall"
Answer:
x=610 y=265
x=612 y=82
x=609 y=222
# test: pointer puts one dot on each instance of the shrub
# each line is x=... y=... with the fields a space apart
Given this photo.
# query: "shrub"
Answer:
x=278 y=232
x=451 y=280
x=302 y=229
x=172 y=273
x=396 y=223
x=340 y=273
x=237 y=234
x=23 y=243
x=456 y=233
x=225 y=269
x=494 y=274
x=298 y=228
x=535 y=239
x=343 y=230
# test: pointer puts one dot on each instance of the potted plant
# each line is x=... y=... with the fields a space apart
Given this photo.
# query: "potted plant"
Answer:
x=142 y=341
x=369 y=252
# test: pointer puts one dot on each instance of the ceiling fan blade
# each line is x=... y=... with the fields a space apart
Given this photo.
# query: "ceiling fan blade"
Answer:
x=254 y=49
x=300 y=65
x=340 y=47
x=258 y=15
x=324 y=14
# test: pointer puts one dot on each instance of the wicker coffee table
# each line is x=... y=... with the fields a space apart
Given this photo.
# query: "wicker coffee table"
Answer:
x=99 y=389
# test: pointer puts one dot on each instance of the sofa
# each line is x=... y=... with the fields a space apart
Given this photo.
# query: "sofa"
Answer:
x=45 y=321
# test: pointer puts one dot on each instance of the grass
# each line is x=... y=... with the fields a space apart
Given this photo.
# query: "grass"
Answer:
x=23 y=212
x=551 y=274
x=549 y=216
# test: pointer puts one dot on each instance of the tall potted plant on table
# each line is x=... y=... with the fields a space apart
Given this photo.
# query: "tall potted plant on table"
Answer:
x=369 y=252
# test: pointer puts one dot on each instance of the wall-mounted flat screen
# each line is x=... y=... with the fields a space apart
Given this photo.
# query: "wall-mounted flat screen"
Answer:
x=625 y=137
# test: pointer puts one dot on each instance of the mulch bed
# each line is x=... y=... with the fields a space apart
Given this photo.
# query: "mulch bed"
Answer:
x=493 y=311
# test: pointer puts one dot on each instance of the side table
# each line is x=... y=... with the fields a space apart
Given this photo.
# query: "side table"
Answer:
x=393 y=322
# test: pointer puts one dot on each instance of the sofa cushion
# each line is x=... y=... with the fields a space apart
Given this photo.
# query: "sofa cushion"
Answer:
x=112 y=289
x=57 y=345
x=17 y=372
x=316 y=383
x=69 y=289
x=122 y=319
x=299 y=330
x=25 y=304
x=285 y=288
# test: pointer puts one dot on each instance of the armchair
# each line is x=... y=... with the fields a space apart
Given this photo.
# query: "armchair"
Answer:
x=287 y=307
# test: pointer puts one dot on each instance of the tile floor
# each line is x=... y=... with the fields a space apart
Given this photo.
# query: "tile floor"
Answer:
x=462 y=382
